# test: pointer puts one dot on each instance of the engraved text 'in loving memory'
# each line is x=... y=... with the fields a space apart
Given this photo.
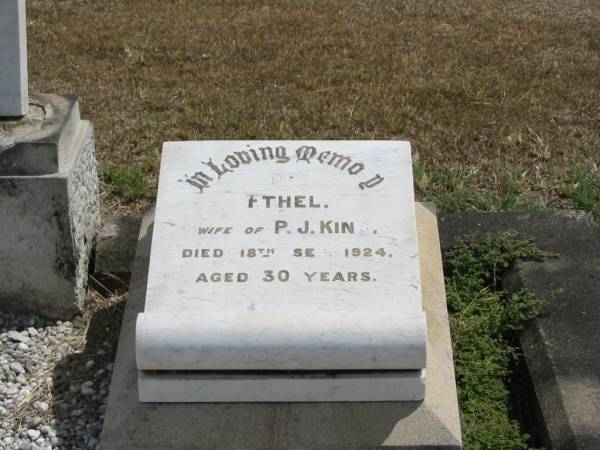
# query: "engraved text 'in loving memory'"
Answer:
x=305 y=153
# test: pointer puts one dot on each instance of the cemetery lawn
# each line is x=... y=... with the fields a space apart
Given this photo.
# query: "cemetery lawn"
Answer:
x=500 y=100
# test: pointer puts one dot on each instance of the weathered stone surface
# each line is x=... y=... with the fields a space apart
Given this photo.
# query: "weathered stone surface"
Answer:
x=48 y=225
x=41 y=142
x=431 y=424
x=13 y=58
x=561 y=347
x=115 y=250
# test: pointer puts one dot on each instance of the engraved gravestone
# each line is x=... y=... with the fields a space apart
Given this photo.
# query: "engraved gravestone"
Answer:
x=283 y=271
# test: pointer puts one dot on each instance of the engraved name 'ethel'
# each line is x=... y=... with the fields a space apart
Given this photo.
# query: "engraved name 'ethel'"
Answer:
x=202 y=179
x=284 y=201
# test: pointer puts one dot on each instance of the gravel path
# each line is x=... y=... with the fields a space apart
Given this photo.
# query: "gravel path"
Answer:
x=54 y=379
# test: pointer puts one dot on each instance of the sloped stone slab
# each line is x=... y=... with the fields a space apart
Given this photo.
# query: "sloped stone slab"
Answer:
x=431 y=424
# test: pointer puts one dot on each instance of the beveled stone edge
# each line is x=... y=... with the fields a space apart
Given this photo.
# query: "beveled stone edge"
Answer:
x=114 y=434
x=58 y=132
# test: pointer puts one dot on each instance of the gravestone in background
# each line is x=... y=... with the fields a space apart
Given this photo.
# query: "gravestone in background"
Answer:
x=283 y=271
x=48 y=186
x=13 y=59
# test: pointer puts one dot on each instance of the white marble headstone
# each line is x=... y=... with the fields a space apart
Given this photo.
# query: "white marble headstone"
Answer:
x=283 y=255
x=13 y=59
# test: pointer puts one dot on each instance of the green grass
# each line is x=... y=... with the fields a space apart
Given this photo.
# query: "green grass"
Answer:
x=456 y=189
x=484 y=320
x=514 y=188
x=584 y=188
x=128 y=182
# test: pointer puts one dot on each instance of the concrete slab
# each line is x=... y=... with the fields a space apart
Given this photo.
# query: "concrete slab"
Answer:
x=561 y=347
x=431 y=424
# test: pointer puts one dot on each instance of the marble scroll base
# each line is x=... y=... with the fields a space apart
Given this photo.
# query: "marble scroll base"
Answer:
x=244 y=340
x=429 y=424
x=280 y=387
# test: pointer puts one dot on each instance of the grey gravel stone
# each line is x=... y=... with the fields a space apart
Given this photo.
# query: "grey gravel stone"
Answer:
x=87 y=388
x=31 y=373
x=16 y=367
x=22 y=346
x=16 y=336
x=41 y=406
x=33 y=434
x=11 y=391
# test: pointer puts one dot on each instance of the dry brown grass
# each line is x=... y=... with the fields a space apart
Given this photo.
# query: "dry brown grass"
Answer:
x=494 y=87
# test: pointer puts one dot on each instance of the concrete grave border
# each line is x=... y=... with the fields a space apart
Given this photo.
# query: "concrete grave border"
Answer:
x=431 y=424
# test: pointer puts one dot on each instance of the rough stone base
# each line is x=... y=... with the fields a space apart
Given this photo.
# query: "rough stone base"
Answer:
x=433 y=423
x=48 y=219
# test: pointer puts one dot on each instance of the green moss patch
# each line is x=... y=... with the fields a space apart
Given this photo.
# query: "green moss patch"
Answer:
x=484 y=320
